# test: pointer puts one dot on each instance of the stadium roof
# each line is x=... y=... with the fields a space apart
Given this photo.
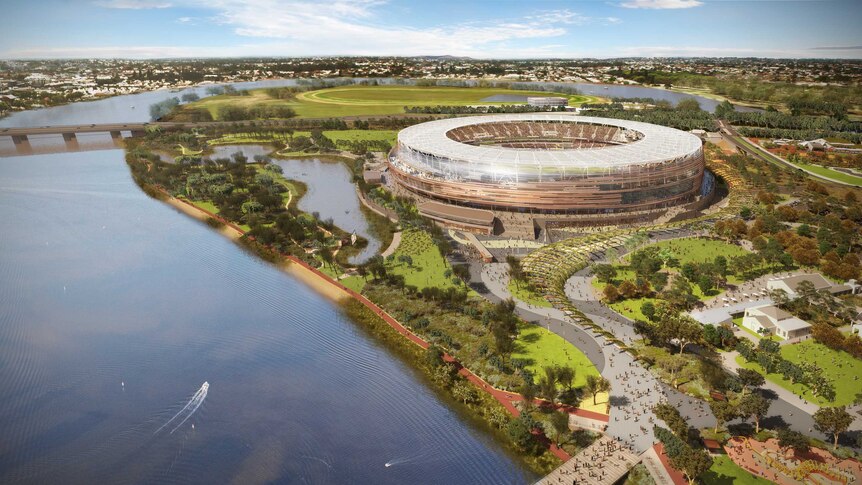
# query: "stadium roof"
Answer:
x=657 y=145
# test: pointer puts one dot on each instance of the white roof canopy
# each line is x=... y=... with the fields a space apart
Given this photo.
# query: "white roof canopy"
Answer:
x=658 y=144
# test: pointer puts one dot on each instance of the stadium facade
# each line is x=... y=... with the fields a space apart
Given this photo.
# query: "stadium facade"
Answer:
x=549 y=163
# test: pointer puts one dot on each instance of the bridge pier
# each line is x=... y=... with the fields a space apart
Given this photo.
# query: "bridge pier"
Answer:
x=20 y=140
x=116 y=135
x=138 y=133
x=71 y=141
x=22 y=144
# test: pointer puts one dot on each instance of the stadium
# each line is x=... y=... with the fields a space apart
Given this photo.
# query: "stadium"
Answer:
x=549 y=164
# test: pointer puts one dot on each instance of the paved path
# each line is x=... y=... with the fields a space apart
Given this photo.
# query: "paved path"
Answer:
x=634 y=390
x=393 y=246
x=786 y=409
x=656 y=468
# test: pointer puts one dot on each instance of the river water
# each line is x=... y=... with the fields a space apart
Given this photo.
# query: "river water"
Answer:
x=115 y=309
x=135 y=107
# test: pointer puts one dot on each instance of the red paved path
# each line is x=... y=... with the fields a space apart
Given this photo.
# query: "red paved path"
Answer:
x=506 y=398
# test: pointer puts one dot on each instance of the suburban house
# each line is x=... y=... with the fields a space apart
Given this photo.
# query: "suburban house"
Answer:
x=790 y=284
x=771 y=320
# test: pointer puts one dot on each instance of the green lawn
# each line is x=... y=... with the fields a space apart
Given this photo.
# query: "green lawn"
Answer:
x=725 y=472
x=356 y=135
x=428 y=265
x=696 y=250
x=369 y=100
x=832 y=174
x=541 y=347
x=838 y=367
x=527 y=296
x=690 y=250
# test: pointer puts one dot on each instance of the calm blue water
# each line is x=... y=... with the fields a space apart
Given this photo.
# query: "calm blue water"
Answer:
x=135 y=107
x=100 y=285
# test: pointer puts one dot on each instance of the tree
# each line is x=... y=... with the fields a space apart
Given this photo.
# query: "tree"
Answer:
x=672 y=363
x=610 y=293
x=680 y=295
x=833 y=420
x=750 y=379
x=464 y=391
x=498 y=416
x=565 y=376
x=528 y=391
x=326 y=256
x=628 y=289
x=692 y=462
x=755 y=406
x=648 y=310
x=559 y=425
x=789 y=439
x=605 y=272
x=548 y=383
x=679 y=330
x=671 y=416
x=723 y=412
x=521 y=433
x=596 y=384
x=462 y=272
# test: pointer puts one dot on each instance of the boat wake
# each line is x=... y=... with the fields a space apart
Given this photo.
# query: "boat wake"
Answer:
x=189 y=409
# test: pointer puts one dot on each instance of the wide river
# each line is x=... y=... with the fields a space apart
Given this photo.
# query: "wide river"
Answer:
x=115 y=309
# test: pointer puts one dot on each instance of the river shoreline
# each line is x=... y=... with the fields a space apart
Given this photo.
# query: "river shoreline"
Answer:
x=335 y=291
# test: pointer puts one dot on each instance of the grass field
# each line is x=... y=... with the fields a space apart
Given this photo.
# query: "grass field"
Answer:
x=725 y=472
x=686 y=251
x=370 y=100
x=839 y=368
x=527 y=296
x=428 y=266
x=541 y=347
x=356 y=135
x=832 y=174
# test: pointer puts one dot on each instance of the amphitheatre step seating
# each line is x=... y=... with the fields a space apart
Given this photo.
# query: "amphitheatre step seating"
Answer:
x=549 y=267
x=602 y=463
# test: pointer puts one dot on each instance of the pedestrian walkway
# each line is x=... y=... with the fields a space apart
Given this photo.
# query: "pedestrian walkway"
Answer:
x=393 y=246
x=654 y=465
x=602 y=463
x=634 y=390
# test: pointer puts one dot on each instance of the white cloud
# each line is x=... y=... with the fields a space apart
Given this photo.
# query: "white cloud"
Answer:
x=133 y=4
x=661 y=4
x=353 y=28
x=356 y=27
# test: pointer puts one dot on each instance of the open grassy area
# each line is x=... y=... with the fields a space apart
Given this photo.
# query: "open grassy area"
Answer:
x=356 y=135
x=696 y=250
x=689 y=250
x=832 y=174
x=840 y=368
x=527 y=296
x=428 y=268
x=725 y=472
x=540 y=347
x=369 y=100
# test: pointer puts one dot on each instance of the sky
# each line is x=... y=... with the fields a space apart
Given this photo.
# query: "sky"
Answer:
x=475 y=28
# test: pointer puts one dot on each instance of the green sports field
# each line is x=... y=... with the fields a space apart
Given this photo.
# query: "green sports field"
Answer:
x=371 y=100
